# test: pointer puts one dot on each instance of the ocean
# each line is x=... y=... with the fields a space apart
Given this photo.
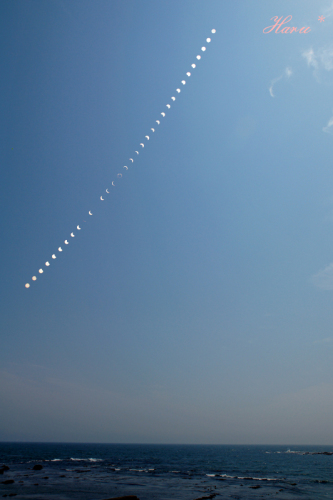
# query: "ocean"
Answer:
x=163 y=472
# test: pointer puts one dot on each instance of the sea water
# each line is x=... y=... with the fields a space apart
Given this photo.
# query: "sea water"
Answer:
x=163 y=472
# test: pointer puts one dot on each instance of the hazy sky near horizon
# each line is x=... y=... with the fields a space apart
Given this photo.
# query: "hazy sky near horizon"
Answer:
x=195 y=305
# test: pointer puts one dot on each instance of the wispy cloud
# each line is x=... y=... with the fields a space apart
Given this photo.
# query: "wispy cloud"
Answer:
x=327 y=340
x=324 y=278
x=320 y=60
x=310 y=57
x=286 y=74
x=329 y=129
x=328 y=12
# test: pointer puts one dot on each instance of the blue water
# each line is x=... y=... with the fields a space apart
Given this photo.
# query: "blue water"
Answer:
x=163 y=472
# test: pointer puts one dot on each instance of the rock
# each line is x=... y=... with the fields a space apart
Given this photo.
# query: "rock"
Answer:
x=204 y=498
x=8 y=481
x=37 y=467
x=4 y=467
x=255 y=487
x=128 y=497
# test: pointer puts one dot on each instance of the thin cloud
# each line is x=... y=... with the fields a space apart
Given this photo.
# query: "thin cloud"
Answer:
x=328 y=12
x=310 y=57
x=328 y=129
x=324 y=278
x=286 y=74
x=321 y=60
x=327 y=340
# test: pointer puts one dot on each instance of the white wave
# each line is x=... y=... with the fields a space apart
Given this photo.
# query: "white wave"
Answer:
x=242 y=477
x=87 y=459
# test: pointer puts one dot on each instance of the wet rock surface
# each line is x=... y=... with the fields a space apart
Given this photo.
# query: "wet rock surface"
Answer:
x=37 y=467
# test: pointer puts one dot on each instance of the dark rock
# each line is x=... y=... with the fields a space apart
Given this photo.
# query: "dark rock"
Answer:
x=37 y=467
x=36 y=484
x=4 y=467
x=128 y=497
x=255 y=487
x=12 y=494
x=46 y=477
x=1 y=471
x=293 y=484
x=8 y=481
x=63 y=475
x=206 y=498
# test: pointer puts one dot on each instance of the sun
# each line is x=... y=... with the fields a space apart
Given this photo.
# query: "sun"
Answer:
x=321 y=18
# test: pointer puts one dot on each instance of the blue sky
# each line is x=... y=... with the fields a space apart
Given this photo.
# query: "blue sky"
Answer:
x=195 y=305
